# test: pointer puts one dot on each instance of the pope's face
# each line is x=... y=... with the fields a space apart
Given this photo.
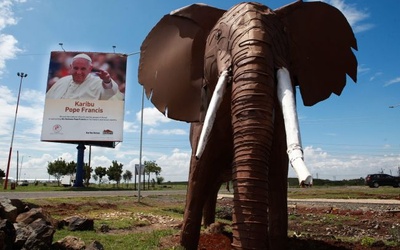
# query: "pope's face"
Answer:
x=80 y=68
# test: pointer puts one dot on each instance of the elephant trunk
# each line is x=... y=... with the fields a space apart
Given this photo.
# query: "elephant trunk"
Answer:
x=253 y=133
x=253 y=95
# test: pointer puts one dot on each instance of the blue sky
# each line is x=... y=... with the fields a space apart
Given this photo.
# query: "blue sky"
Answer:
x=344 y=137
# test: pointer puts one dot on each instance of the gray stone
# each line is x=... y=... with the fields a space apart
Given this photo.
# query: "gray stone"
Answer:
x=8 y=229
x=69 y=243
x=41 y=236
x=95 y=245
x=7 y=210
x=76 y=223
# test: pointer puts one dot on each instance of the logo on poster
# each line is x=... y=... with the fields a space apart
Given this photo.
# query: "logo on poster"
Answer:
x=107 y=132
x=57 y=128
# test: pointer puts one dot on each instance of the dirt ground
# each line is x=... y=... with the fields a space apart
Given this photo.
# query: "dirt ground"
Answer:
x=311 y=225
x=322 y=226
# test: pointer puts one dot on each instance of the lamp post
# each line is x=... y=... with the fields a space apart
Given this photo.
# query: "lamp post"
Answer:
x=20 y=169
x=21 y=75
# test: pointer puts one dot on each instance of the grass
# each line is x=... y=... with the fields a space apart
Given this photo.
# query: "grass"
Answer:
x=119 y=212
x=117 y=241
x=39 y=187
x=349 y=192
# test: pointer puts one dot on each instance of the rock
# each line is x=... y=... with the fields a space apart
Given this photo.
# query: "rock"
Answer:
x=34 y=214
x=7 y=210
x=28 y=227
x=95 y=245
x=22 y=234
x=76 y=223
x=378 y=243
x=41 y=236
x=104 y=228
x=69 y=243
x=21 y=206
x=8 y=234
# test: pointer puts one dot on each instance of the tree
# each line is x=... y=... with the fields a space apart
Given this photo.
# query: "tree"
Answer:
x=159 y=180
x=95 y=177
x=151 y=167
x=127 y=176
x=57 y=168
x=100 y=172
x=2 y=174
x=114 y=172
x=71 y=168
x=87 y=171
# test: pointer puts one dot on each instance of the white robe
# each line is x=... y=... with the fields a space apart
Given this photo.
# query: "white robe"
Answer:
x=91 y=89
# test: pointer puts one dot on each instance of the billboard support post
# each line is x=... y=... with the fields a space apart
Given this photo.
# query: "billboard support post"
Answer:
x=79 y=165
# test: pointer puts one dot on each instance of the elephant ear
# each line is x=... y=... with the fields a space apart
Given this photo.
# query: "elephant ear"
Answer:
x=321 y=42
x=171 y=62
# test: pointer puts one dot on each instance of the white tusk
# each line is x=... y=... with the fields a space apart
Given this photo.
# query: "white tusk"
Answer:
x=216 y=100
x=288 y=104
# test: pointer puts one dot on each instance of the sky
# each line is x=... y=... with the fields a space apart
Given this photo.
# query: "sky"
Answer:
x=344 y=137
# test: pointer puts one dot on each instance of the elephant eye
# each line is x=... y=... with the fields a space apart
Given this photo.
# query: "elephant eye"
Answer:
x=218 y=34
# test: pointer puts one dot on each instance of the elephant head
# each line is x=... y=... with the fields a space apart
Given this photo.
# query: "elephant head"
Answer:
x=198 y=57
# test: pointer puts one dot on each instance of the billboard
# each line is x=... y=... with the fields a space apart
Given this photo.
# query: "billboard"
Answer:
x=85 y=98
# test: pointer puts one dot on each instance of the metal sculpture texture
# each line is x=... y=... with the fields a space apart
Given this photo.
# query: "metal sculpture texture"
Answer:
x=232 y=75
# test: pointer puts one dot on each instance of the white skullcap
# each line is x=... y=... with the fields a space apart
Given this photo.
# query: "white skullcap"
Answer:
x=84 y=56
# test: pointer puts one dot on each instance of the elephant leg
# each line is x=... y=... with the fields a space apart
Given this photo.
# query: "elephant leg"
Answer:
x=210 y=206
x=197 y=194
x=205 y=177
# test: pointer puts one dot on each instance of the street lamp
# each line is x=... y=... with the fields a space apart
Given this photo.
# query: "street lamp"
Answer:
x=20 y=168
x=22 y=75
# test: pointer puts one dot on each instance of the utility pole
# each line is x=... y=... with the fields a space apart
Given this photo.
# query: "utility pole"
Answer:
x=22 y=75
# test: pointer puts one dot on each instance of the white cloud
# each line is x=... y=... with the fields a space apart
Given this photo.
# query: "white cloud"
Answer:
x=30 y=110
x=362 y=69
x=7 y=111
x=377 y=74
x=6 y=14
x=33 y=96
x=130 y=127
x=5 y=95
x=348 y=166
x=393 y=81
x=175 y=166
x=152 y=117
x=153 y=131
x=8 y=43
x=353 y=15
x=101 y=161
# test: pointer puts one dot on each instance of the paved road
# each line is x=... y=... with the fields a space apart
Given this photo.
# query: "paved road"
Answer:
x=353 y=201
x=358 y=201
x=60 y=194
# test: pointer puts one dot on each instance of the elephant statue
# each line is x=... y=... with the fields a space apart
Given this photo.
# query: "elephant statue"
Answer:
x=232 y=75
